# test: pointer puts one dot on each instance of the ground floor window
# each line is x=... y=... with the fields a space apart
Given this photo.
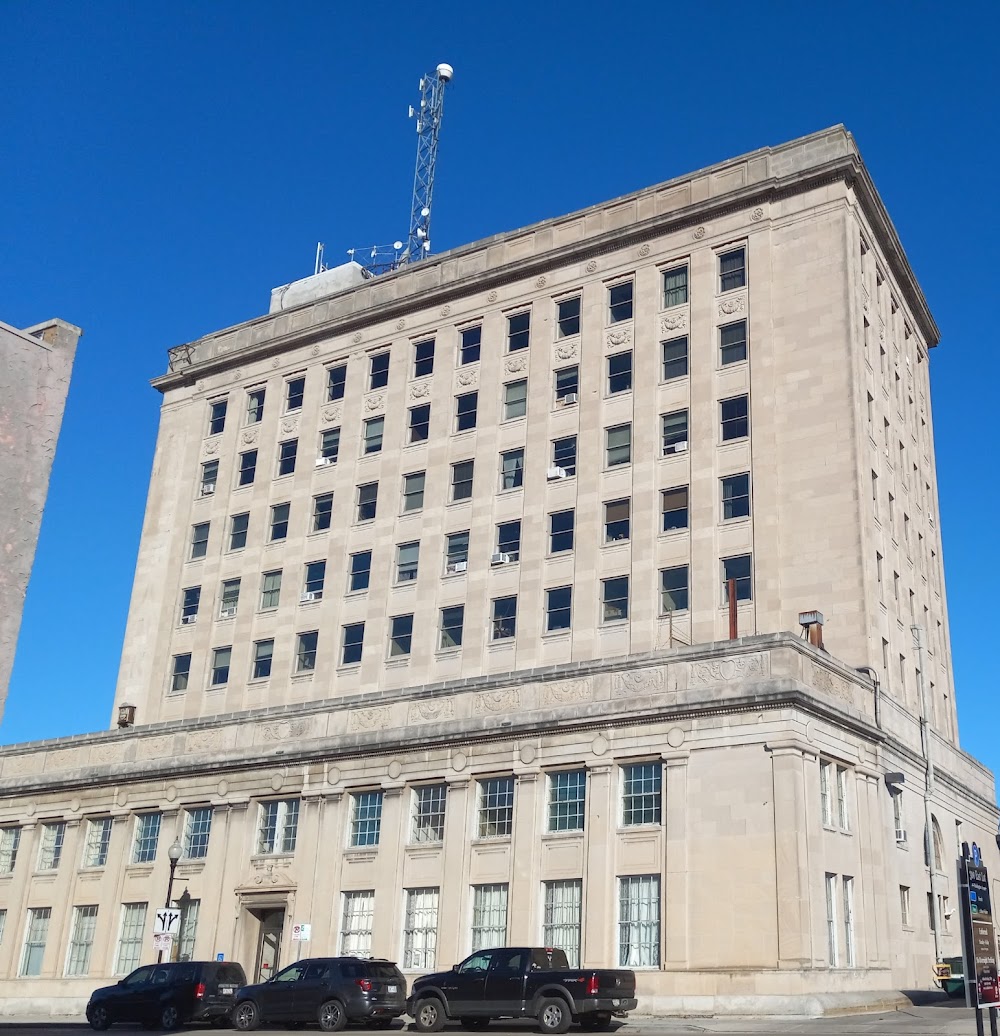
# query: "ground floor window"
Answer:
x=563 y=909
x=35 y=937
x=130 y=937
x=420 y=928
x=356 y=930
x=81 y=940
x=639 y=921
x=489 y=916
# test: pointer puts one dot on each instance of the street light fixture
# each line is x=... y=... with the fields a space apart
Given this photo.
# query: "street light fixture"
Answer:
x=174 y=853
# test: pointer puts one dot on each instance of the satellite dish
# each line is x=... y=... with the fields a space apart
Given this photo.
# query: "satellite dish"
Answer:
x=397 y=245
x=425 y=212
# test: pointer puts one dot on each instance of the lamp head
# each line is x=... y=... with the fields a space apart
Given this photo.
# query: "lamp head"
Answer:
x=176 y=851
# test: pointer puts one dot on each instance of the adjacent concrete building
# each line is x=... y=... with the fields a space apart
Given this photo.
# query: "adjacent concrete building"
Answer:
x=36 y=364
x=429 y=645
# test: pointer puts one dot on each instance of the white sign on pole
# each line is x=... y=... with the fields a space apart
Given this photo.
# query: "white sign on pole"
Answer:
x=162 y=943
x=168 y=922
x=302 y=932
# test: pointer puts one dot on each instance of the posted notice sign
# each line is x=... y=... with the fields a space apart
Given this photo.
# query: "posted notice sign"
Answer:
x=302 y=932
x=983 y=944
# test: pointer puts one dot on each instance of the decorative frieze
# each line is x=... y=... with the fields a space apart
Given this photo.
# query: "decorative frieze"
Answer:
x=726 y=670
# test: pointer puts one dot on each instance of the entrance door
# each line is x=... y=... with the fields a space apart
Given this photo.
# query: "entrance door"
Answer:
x=269 y=944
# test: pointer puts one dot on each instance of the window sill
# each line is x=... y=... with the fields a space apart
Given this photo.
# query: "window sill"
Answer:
x=273 y=543
x=510 y=490
x=139 y=869
x=681 y=530
x=397 y=662
x=560 y=634
x=347 y=669
x=740 y=519
x=486 y=840
x=215 y=688
x=361 y=852
x=677 y=612
x=556 y=836
x=281 y=477
x=264 y=857
x=303 y=677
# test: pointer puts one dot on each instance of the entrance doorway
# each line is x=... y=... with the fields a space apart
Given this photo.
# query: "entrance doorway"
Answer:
x=268 y=942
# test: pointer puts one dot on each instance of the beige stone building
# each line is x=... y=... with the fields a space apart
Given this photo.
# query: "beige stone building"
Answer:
x=429 y=645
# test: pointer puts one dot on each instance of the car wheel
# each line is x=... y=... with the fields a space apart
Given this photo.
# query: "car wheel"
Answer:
x=99 y=1018
x=428 y=1015
x=599 y=1021
x=170 y=1018
x=476 y=1023
x=246 y=1016
x=554 y=1015
x=332 y=1017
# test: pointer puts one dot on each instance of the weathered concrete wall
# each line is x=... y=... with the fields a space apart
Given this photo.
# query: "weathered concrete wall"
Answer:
x=35 y=368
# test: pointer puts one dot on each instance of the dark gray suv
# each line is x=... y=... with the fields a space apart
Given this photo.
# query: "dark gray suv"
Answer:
x=329 y=990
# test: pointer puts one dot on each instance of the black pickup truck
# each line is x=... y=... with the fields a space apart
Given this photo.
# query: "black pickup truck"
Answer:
x=521 y=982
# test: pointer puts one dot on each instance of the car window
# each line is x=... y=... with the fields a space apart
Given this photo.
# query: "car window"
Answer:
x=382 y=971
x=184 y=973
x=293 y=973
x=508 y=961
x=318 y=970
x=160 y=977
x=139 y=976
x=477 y=962
x=230 y=974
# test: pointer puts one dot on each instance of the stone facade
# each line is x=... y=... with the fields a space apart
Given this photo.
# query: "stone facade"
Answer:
x=427 y=680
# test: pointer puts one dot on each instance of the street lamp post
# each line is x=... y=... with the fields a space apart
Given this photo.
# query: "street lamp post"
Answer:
x=174 y=853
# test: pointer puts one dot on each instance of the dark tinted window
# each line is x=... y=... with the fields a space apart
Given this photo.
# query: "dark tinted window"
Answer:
x=386 y=970
x=138 y=977
x=548 y=959
x=510 y=961
x=228 y=974
x=185 y=973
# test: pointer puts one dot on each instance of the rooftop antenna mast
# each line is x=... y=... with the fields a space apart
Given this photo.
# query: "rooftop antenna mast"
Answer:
x=428 y=117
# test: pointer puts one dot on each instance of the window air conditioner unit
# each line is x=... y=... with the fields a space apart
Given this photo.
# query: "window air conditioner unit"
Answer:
x=458 y=566
x=499 y=559
x=322 y=462
x=569 y=399
x=208 y=489
x=681 y=447
x=186 y=620
x=227 y=613
x=556 y=472
x=308 y=595
x=900 y=834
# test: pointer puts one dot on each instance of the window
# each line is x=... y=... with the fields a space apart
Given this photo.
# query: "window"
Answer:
x=897 y=816
x=675 y=508
x=639 y=921
x=843 y=816
x=354 y=636
x=489 y=916
x=413 y=491
x=617 y=520
x=407 y=560
x=423 y=358
x=35 y=937
x=336 y=380
x=733 y=342
x=400 y=635
x=366 y=818
x=675 y=432
x=287 y=453
x=509 y=540
x=3 y=921
x=189 y=927
x=515 y=399
x=263 y=653
x=50 y=850
x=420 y=928
x=461 y=480
x=568 y=317
x=147 y=835
x=511 y=469
x=356 y=928
x=620 y=372
x=329 y=446
x=197 y=829
x=620 y=302
x=322 y=514
x=456 y=551
x=518 y=331
x=10 y=840
x=95 y=849
x=674 y=589
x=471 y=341
x=305 y=652
x=315 y=581
x=504 y=617
x=564 y=454
x=374 y=428
x=558 y=608
x=825 y=798
x=295 y=390
x=562 y=912
x=181 y=672
x=736 y=496
x=230 y=598
x=847 y=887
x=614 y=599
x=255 y=406
x=209 y=476
x=428 y=813
x=81 y=940
x=641 y=793
x=360 y=571
x=238 y=525
x=278 y=827
x=735 y=418
x=561 y=528
x=830 y=884
x=618 y=445
x=270 y=590
x=420 y=423
x=567 y=385
x=199 y=540
x=675 y=358
x=496 y=807
x=732 y=269
x=465 y=412
x=190 y=600
x=221 y=658
x=452 y=622
x=279 y=522
x=567 y=800
x=367 y=501
x=378 y=371
x=675 y=286
x=130 y=937
x=738 y=568
x=217 y=416
x=904 y=905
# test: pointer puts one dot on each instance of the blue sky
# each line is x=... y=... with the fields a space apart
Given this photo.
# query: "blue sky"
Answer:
x=166 y=164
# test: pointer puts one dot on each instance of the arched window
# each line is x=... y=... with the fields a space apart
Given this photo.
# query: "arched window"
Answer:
x=938 y=844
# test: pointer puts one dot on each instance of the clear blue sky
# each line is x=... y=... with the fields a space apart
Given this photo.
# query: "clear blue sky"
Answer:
x=164 y=165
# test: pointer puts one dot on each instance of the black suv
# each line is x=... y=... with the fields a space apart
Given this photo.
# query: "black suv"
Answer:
x=330 y=990
x=169 y=995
